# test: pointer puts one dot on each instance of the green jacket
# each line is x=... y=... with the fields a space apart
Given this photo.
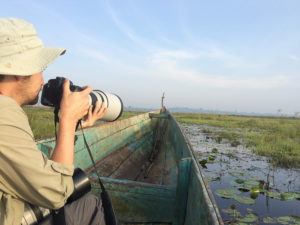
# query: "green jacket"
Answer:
x=26 y=174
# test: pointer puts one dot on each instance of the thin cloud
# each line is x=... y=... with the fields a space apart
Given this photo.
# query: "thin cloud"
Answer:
x=94 y=54
x=124 y=28
x=171 y=69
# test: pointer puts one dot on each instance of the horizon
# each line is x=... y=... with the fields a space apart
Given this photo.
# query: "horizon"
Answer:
x=239 y=56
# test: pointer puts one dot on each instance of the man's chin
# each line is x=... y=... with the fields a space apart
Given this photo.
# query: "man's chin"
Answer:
x=34 y=101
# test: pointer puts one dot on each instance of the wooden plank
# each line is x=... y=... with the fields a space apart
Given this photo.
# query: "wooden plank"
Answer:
x=125 y=162
x=182 y=191
x=139 y=202
x=161 y=115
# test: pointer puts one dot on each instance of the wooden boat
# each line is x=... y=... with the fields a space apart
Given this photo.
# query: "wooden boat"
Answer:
x=149 y=169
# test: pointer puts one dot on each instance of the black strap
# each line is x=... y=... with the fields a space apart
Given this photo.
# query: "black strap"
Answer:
x=109 y=214
x=56 y=120
x=59 y=217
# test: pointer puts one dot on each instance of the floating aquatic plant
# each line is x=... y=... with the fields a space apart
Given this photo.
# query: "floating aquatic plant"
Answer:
x=239 y=181
x=273 y=195
x=211 y=158
x=289 y=195
x=244 y=199
x=270 y=220
x=237 y=174
x=203 y=163
x=214 y=150
x=285 y=219
x=210 y=179
x=226 y=193
x=249 y=218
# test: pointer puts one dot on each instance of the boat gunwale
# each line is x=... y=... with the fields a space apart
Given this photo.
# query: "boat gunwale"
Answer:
x=203 y=179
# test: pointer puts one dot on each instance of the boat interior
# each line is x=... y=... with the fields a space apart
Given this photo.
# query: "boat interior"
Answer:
x=145 y=165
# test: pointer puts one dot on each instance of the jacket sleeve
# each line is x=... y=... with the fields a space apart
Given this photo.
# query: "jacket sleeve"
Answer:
x=26 y=173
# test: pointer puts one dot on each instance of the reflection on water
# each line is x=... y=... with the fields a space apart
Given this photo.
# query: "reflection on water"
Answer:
x=256 y=192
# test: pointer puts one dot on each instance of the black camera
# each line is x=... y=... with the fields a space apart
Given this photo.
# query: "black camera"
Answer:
x=33 y=215
x=53 y=90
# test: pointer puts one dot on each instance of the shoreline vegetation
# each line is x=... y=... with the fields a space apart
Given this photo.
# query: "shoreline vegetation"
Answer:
x=274 y=137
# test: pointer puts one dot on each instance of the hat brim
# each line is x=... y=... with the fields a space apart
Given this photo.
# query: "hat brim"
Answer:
x=30 y=62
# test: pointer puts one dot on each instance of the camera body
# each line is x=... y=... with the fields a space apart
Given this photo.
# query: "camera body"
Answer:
x=53 y=91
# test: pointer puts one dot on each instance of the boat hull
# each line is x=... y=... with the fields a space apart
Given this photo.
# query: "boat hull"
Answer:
x=149 y=169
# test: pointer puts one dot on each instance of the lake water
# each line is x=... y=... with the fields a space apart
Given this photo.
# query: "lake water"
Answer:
x=246 y=187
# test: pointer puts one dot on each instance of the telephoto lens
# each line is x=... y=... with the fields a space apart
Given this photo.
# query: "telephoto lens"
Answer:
x=112 y=102
x=52 y=94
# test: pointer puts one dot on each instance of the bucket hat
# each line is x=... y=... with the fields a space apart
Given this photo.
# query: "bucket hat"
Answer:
x=21 y=51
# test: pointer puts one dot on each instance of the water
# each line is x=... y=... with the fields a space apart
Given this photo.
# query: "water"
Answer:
x=239 y=164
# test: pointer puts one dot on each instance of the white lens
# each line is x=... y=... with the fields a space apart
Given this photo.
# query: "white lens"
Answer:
x=112 y=102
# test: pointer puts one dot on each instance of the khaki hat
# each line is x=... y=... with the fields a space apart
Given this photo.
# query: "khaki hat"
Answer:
x=21 y=50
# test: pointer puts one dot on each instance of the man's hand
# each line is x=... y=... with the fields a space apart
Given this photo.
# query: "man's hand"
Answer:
x=74 y=105
x=92 y=116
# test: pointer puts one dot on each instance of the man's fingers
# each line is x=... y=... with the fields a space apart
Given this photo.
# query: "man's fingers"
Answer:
x=102 y=109
x=66 y=86
x=87 y=90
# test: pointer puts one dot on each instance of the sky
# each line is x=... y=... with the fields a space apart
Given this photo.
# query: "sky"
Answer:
x=233 y=55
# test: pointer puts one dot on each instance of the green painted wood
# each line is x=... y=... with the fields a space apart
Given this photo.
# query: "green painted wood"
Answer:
x=139 y=202
x=161 y=115
x=130 y=157
x=200 y=205
x=182 y=191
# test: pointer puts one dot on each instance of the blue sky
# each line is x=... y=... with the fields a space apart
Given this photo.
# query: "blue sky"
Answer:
x=241 y=55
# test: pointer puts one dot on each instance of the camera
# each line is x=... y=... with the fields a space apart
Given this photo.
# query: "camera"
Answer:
x=34 y=215
x=52 y=95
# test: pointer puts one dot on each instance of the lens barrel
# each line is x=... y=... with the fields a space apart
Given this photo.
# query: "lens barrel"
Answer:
x=112 y=102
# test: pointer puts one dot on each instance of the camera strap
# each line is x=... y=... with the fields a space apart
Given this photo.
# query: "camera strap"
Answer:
x=109 y=214
x=56 y=120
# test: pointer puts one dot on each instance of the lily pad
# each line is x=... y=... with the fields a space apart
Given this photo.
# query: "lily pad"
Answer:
x=239 y=181
x=226 y=193
x=213 y=178
x=273 y=195
x=296 y=218
x=214 y=150
x=270 y=220
x=252 y=178
x=252 y=183
x=289 y=195
x=244 y=199
x=236 y=174
x=250 y=218
x=211 y=158
x=285 y=220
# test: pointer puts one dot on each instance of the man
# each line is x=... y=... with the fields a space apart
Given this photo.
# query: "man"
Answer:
x=26 y=174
